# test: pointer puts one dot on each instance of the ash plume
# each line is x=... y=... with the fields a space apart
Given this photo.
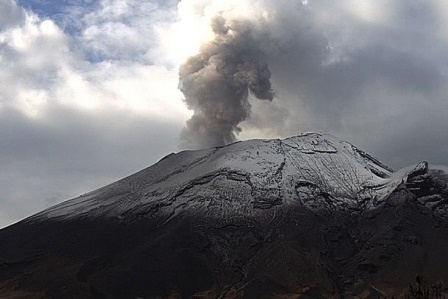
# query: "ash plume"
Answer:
x=217 y=82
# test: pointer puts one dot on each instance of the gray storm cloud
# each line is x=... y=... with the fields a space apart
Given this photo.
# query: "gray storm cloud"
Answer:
x=217 y=82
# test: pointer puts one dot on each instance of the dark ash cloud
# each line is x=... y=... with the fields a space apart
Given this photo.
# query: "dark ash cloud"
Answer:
x=217 y=82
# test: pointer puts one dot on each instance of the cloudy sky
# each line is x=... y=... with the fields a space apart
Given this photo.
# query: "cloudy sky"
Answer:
x=89 y=88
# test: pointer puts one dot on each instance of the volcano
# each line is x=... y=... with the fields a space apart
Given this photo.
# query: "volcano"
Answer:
x=309 y=216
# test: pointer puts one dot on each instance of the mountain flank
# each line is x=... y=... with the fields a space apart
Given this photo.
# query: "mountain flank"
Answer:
x=309 y=216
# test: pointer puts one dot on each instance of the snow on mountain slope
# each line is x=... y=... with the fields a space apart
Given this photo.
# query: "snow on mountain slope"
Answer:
x=307 y=216
x=250 y=179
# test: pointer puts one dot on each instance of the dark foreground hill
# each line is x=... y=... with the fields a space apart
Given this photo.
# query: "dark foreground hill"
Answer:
x=305 y=217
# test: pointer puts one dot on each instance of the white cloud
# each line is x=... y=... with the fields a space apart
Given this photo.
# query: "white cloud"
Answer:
x=38 y=61
x=70 y=123
x=123 y=30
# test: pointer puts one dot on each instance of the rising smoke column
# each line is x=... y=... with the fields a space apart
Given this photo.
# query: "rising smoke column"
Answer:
x=216 y=83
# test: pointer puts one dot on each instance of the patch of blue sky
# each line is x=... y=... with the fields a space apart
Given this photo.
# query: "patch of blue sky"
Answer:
x=108 y=30
x=67 y=14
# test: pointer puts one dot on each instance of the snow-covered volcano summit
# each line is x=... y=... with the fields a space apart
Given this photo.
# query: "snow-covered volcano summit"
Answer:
x=318 y=171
